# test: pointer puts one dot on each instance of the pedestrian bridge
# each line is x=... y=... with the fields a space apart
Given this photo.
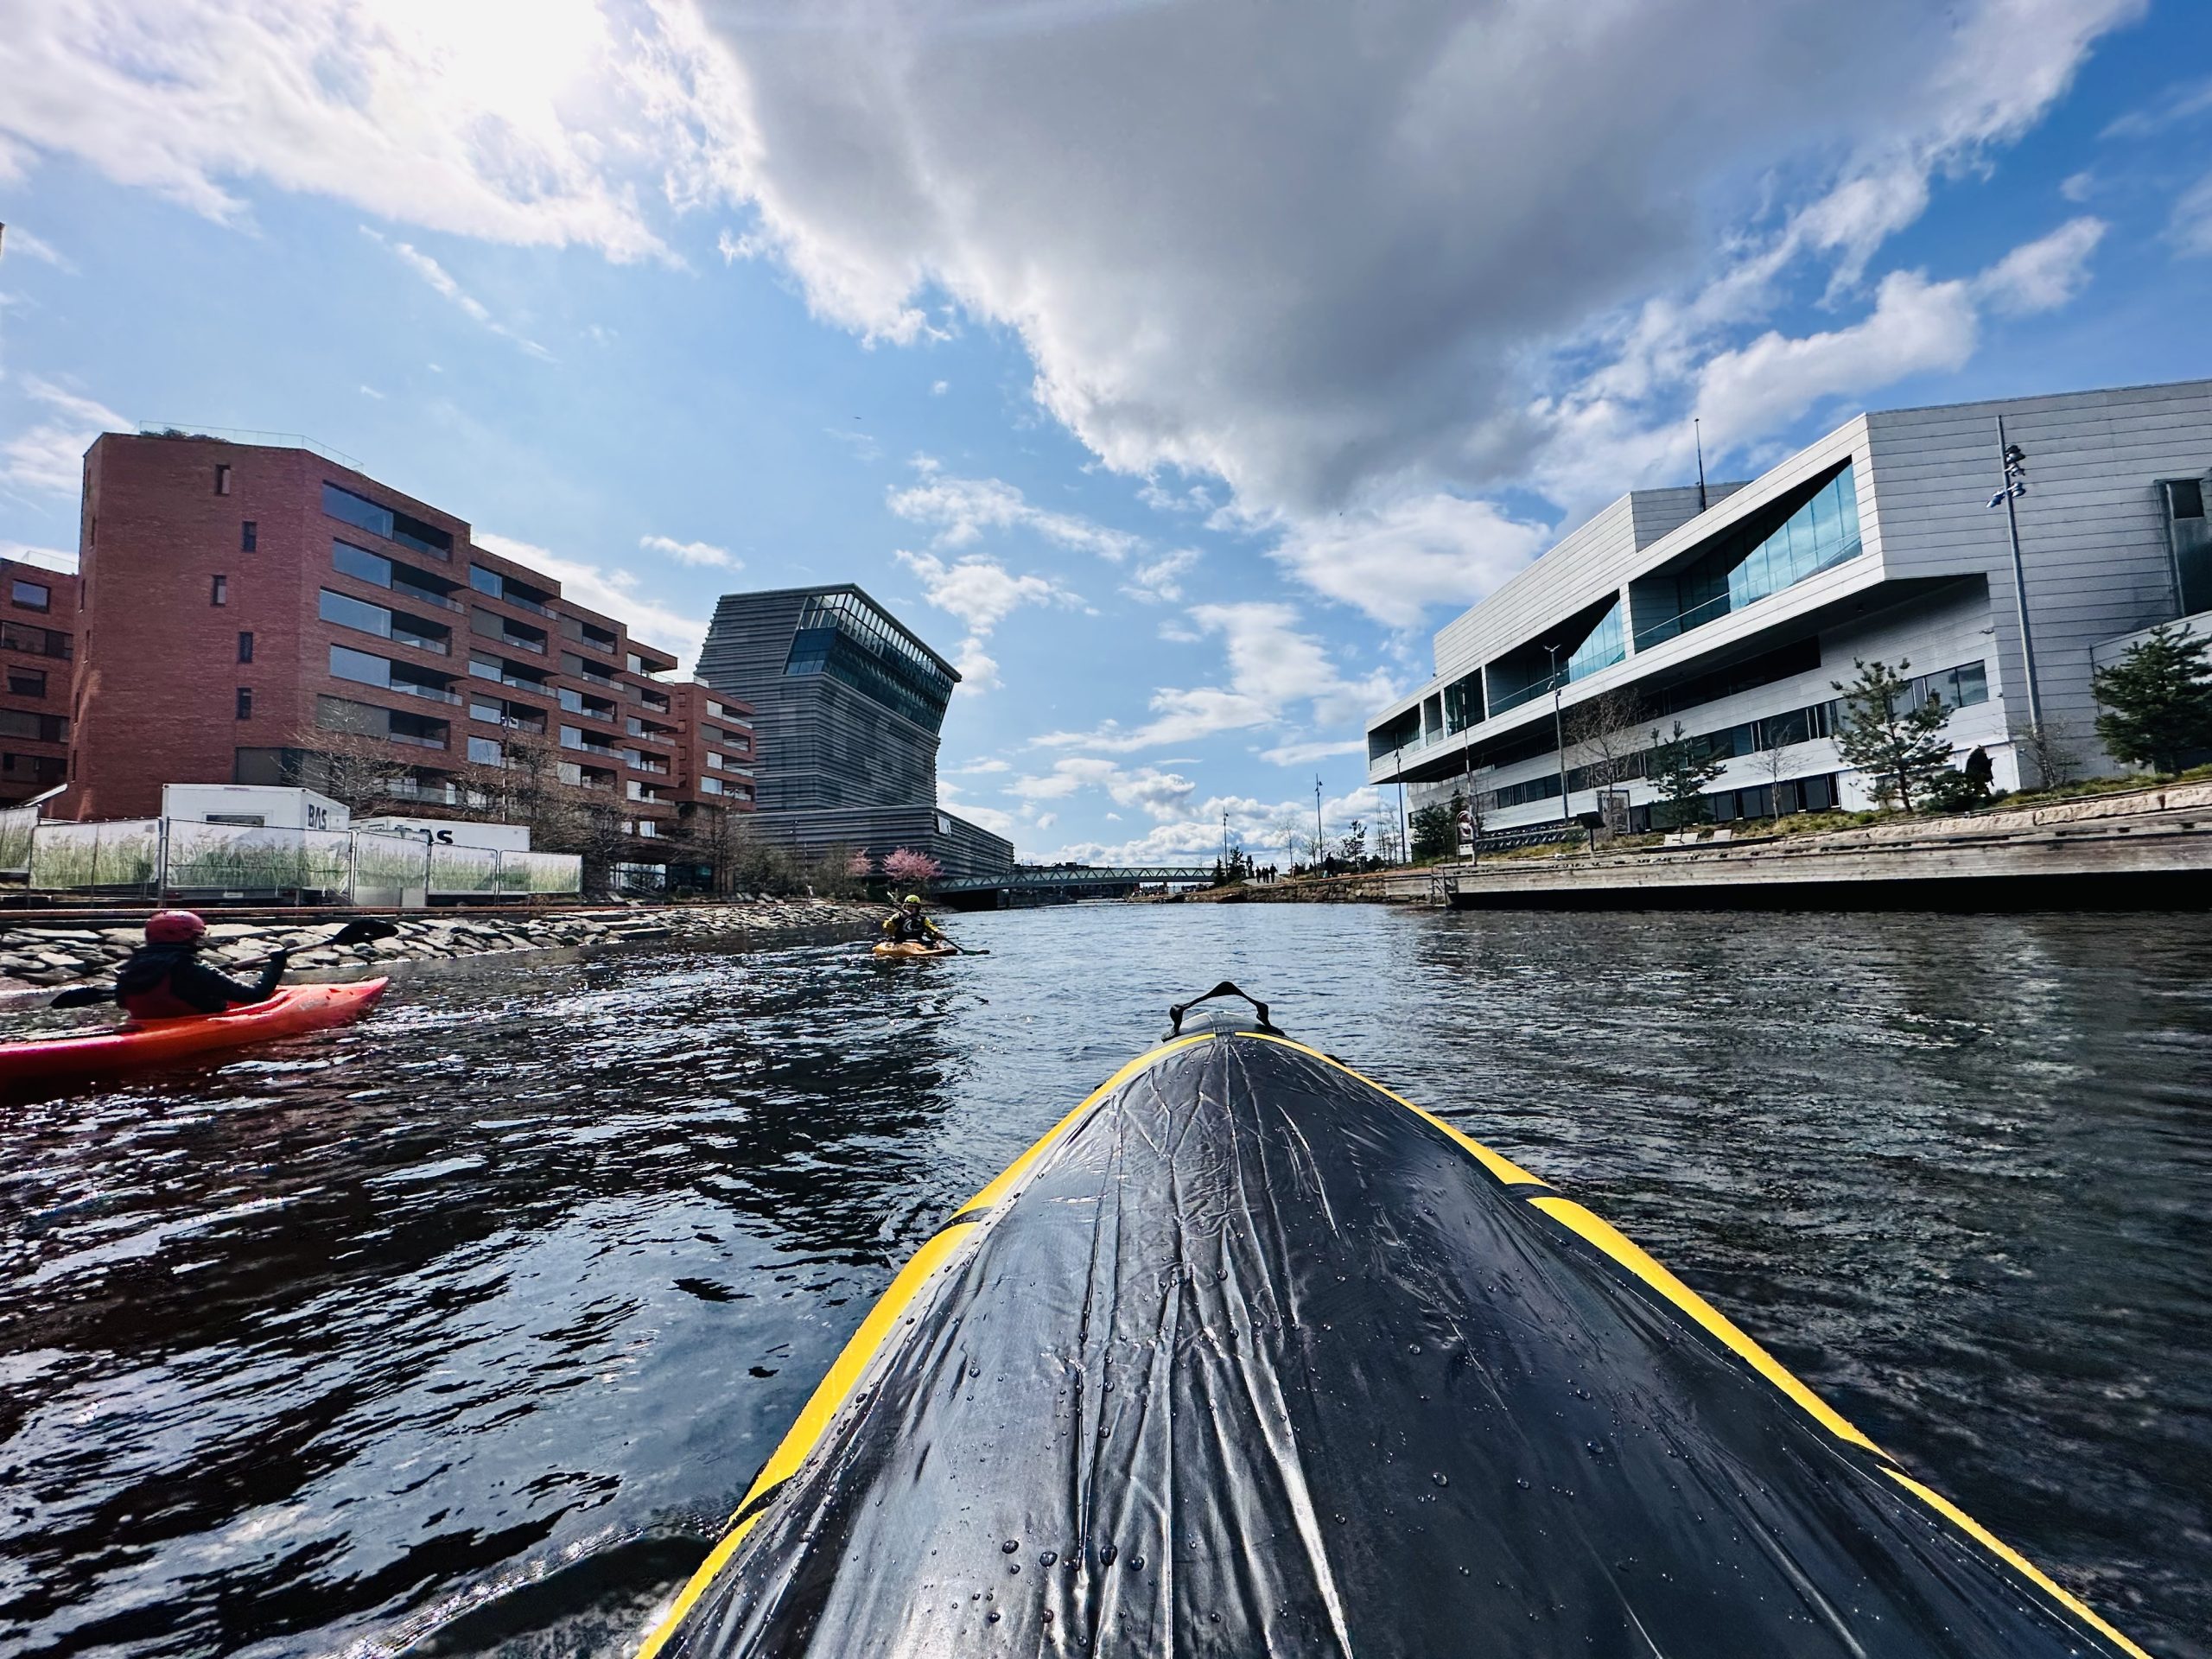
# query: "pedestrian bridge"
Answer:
x=1029 y=882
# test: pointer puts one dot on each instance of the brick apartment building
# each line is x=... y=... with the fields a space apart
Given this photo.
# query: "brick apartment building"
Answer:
x=38 y=609
x=250 y=610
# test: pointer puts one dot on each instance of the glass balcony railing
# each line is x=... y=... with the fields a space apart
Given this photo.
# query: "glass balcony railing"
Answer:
x=435 y=693
x=424 y=596
x=413 y=742
x=516 y=599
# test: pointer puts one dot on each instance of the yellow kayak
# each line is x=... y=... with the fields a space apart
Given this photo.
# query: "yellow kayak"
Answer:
x=913 y=948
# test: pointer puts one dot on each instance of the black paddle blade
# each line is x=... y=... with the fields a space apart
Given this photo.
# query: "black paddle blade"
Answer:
x=85 y=997
x=365 y=932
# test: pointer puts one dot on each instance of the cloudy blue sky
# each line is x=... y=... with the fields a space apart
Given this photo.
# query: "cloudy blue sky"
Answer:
x=1176 y=366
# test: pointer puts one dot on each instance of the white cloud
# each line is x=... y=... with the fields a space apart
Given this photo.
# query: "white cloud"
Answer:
x=983 y=594
x=2182 y=102
x=1305 y=754
x=612 y=591
x=18 y=240
x=1159 y=794
x=2042 y=274
x=1325 y=308
x=501 y=119
x=1396 y=561
x=2190 y=227
x=371 y=391
x=991 y=765
x=1158 y=581
x=960 y=510
x=1261 y=827
x=1329 y=268
x=50 y=558
x=1274 y=668
x=1916 y=325
x=938 y=388
x=49 y=457
x=705 y=554
x=442 y=283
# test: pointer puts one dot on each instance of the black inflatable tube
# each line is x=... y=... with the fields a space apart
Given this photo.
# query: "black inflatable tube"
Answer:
x=1250 y=1356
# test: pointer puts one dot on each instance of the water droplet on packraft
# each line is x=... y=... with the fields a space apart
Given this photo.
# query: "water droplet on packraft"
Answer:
x=1137 y=1564
x=1010 y=1546
x=1049 y=1557
x=1106 y=1555
x=991 y=1618
x=1441 y=1478
x=1522 y=1484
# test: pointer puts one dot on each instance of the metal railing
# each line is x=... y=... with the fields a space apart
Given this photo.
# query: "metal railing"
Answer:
x=155 y=856
x=424 y=596
x=245 y=435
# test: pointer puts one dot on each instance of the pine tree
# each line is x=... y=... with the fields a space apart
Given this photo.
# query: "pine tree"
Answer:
x=1436 y=829
x=1679 y=767
x=2158 y=699
x=1898 y=743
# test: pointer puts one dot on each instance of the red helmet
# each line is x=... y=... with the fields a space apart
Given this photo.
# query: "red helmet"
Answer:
x=174 y=927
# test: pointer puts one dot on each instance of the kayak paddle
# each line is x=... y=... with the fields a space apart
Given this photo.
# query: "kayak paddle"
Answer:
x=365 y=930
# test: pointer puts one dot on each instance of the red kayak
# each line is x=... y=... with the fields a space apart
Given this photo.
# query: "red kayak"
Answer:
x=294 y=1009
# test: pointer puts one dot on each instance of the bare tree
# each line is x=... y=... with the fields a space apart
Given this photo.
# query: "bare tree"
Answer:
x=1775 y=760
x=2051 y=753
x=1603 y=737
x=356 y=769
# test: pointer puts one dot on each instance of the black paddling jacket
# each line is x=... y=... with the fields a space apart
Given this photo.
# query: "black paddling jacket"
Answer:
x=904 y=928
x=163 y=982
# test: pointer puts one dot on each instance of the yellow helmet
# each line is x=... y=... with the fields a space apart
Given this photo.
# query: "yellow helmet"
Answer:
x=912 y=898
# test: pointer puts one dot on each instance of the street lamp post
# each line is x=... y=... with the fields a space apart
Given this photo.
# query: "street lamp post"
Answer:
x=2014 y=460
x=1320 y=858
x=1559 y=739
x=1399 y=756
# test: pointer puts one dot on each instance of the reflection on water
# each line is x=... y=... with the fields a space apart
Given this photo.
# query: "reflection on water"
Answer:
x=458 y=1331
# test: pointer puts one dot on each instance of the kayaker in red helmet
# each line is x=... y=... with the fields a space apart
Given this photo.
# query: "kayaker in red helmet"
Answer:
x=164 y=978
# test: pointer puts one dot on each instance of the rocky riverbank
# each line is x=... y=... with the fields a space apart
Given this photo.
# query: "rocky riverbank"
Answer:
x=43 y=955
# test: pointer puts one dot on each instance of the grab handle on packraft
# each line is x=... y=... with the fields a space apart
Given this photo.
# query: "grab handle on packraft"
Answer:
x=1227 y=988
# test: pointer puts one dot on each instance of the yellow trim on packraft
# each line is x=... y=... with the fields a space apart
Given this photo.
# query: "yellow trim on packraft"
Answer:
x=836 y=1386
x=1596 y=1229
x=1998 y=1547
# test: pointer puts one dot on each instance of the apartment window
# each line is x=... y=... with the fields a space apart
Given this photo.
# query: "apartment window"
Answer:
x=359 y=666
x=568 y=773
x=222 y=481
x=245 y=703
x=636 y=663
x=486 y=752
x=219 y=591
x=32 y=595
x=486 y=582
x=382 y=521
x=713 y=760
x=249 y=536
x=245 y=647
x=26 y=682
x=710 y=785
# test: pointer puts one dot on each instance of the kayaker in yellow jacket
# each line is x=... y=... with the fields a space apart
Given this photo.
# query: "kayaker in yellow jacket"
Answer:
x=907 y=925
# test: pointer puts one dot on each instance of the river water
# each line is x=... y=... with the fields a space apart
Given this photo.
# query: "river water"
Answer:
x=459 y=1332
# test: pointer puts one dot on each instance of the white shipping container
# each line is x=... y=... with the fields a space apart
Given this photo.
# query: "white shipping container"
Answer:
x=254 y=806
x=453 y=832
